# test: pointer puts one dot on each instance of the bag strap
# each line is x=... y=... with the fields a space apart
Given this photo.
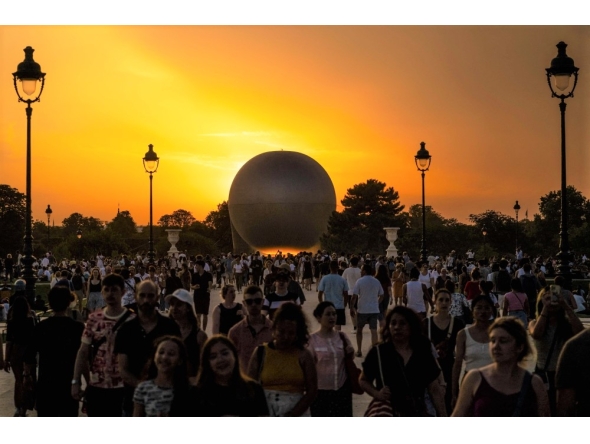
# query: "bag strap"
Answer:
x=115 y=327
x=526 y=383
x=429 y=323
x=450 y=332
x=344 y=344
x=380 y=367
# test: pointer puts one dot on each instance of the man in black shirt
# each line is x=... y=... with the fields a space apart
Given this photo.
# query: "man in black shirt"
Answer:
x=281 y=295
x=135 y=339
x=256 y=266
x=201 y=283
x=56 y=340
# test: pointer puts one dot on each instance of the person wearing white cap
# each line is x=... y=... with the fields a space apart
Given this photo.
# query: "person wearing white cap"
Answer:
x=182 y=311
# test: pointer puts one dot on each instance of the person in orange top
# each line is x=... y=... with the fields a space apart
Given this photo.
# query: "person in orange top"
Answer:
x=285 y=367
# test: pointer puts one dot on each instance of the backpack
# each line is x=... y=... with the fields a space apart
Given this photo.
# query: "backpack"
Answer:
x=503 y=281
x=529 y=286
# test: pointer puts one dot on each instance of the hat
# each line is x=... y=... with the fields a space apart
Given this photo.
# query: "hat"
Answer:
x=184 y=296
x=20 y=285
x=285 y=267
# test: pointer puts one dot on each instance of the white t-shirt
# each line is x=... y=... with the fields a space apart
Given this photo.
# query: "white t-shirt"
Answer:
x=580 y=301
x=368 y=290
x=351 y=274
x=425 y=279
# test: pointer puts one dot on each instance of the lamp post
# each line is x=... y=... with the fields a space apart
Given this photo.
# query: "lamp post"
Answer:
x=151 y=161
x=516 y=208
x=484 y=231
x=48 y=211
x=561 y=70
x=79 y=236
x=28 y=73
x=423 y=159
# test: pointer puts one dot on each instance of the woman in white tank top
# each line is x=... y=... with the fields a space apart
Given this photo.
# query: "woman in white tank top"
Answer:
x=472 y=342
x=415 y=294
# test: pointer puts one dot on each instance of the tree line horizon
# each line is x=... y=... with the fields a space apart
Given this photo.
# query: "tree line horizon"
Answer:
x=368 y=207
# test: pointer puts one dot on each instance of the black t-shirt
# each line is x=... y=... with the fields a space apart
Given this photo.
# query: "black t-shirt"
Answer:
x=325 y=268
x=407 y=383
x=256 y=266
x=57 y=340
x=217 y=400
x=20 y=331
x=273 y=301
x=133 y=341
x=203 y=282
x=445 y=347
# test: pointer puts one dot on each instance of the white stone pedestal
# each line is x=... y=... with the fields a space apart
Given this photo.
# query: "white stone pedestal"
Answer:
x=391 y=234
x=173 y=238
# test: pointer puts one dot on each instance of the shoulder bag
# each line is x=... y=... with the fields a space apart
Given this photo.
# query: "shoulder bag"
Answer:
x=95 y=345
x=376 y=407
x=352 y=371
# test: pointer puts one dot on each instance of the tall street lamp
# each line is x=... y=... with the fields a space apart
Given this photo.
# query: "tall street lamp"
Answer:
x=561 y=70
x=151 y=161
x=423 y=159
x=516 y=209
x=28 y=73
x=484 y=231
x=79 y=236
x=48 y=211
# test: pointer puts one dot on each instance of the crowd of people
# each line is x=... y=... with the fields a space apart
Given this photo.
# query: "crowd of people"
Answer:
x=451 y=335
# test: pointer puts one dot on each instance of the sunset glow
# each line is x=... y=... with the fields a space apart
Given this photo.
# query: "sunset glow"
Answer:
x=359 y=100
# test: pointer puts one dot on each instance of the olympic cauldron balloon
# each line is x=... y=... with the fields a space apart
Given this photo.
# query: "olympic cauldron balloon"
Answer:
x=281 y=200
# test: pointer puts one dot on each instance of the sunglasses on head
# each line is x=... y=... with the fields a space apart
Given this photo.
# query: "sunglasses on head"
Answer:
x=256 y=301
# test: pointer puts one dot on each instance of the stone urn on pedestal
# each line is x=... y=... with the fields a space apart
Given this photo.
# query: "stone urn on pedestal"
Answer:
x=173 y=238
x=391 y=235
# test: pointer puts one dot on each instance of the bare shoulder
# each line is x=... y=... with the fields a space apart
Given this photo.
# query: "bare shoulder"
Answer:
x=473 y=379
x=537 y=383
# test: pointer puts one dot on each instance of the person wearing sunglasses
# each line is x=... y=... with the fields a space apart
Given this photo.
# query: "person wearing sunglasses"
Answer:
x=254 y=330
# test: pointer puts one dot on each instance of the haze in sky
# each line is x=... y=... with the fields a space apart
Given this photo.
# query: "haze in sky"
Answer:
x=358 y=99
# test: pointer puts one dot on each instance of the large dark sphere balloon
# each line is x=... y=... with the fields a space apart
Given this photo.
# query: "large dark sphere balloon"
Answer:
x=281 y=199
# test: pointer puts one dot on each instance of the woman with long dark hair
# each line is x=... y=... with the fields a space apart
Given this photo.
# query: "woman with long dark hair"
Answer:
x=222 y=390
x=164 y=393
x=19 y=333
x=330 y=349
x=400 y=369
x=442 y=329
x=285 y=367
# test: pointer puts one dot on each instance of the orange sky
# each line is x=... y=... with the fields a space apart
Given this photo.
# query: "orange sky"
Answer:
x=359 y=100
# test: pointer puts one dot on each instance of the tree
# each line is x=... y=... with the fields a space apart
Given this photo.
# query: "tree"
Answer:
x=219 y=224
x=501 y=232
x=578 y=208
x=76 y=221
x=368 y=208
x=178 y=219
x=123 y=224
x=12 y=219
x=442 y=235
